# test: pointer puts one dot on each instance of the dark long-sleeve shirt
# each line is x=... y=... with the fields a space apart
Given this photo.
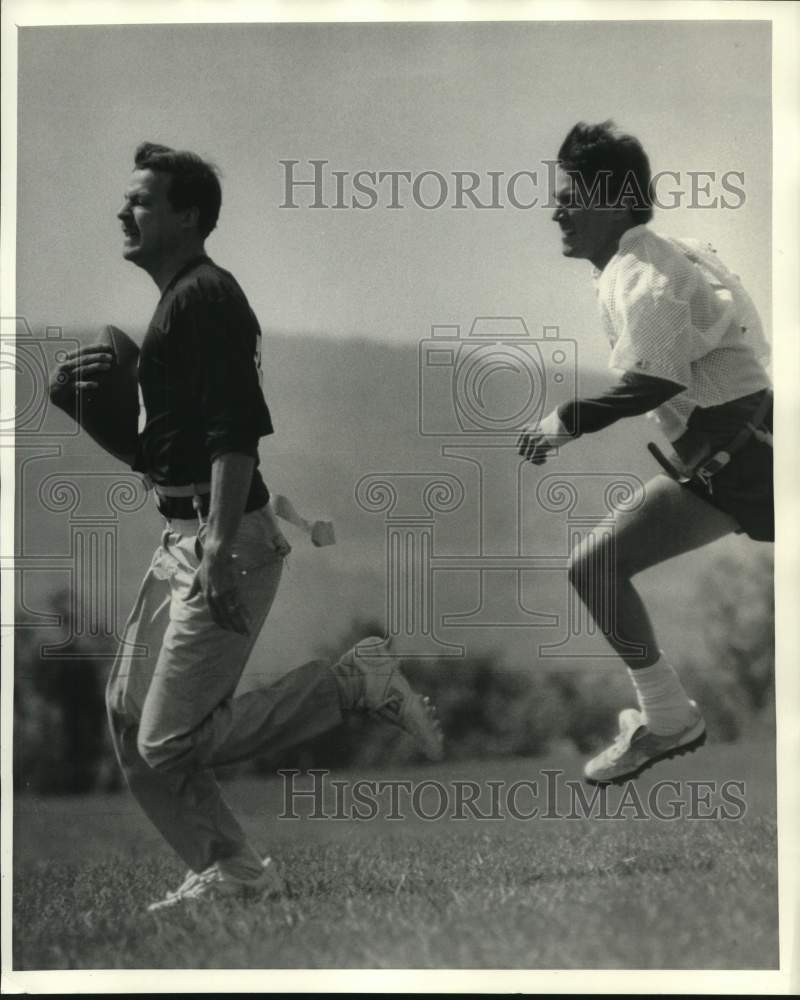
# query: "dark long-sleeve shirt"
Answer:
x=199 y=376
x=632 y=395
x=709 y=428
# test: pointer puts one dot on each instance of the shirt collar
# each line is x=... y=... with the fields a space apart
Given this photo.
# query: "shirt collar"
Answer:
x=188 y=266
x=628 y=237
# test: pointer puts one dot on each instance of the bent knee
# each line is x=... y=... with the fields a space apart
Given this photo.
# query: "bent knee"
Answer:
x=596 y=560
x=171 y=755
x=583 y=560
x=576 y=566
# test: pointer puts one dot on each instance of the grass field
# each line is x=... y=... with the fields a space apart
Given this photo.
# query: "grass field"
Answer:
x=542 y=893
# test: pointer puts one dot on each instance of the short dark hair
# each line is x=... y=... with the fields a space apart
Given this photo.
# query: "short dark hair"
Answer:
x=592 y=151
x=193 y=182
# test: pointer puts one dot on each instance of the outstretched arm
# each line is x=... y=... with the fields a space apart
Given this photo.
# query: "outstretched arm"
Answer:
x=632 y=395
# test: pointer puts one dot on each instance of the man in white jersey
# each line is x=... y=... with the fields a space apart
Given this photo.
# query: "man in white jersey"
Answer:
x=689 y=350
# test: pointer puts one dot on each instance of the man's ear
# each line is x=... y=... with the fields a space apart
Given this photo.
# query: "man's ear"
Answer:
x=190 y=217
x=622 y=216
x=630 y=195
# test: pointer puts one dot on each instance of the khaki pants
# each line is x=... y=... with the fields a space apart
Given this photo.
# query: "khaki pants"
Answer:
x=171 y=703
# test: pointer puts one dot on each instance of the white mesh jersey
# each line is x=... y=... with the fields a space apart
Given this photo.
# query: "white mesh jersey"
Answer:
x=672 y=309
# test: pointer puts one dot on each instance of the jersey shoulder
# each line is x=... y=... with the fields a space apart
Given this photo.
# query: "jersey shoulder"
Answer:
x=648 y=266
x=207 y=283
x=210 y=297
x=645 y=249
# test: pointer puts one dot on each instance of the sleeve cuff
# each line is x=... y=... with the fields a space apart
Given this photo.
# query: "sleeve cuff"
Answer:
x=237 y=447
x=553 y=428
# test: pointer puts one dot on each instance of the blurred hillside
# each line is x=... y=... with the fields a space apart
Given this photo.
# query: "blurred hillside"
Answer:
x=344 y=411
x=348 y=410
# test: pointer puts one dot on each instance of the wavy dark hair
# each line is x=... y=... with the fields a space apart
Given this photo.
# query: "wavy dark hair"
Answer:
x=193 y=182
x=605 y=159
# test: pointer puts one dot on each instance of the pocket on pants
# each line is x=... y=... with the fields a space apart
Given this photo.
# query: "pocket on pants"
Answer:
x=256 y=563
x=253 y=546
x=164 y=565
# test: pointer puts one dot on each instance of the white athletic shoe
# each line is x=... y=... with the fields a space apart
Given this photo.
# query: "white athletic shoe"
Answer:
x=636 y=748
x=212 y=884
x=389 y=696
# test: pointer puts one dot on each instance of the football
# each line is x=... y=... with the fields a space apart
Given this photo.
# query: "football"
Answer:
x=109 y=413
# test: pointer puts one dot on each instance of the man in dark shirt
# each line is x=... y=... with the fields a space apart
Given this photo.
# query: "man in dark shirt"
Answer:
x=210 y=585
x=204 y=328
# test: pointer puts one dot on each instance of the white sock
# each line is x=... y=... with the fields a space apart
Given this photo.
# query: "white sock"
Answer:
x=664 y=703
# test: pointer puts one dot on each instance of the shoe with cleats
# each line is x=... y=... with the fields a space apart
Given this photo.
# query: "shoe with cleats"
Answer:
x=213 y=884
x=387 y=695
x=636 y=748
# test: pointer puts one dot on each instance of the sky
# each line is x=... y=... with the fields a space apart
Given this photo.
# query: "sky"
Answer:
x=482 y=97
x=441 y=97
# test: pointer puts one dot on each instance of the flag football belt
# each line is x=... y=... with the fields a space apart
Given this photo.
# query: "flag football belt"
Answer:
x=181 y=503
x=187 y=503
x=707 y=467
